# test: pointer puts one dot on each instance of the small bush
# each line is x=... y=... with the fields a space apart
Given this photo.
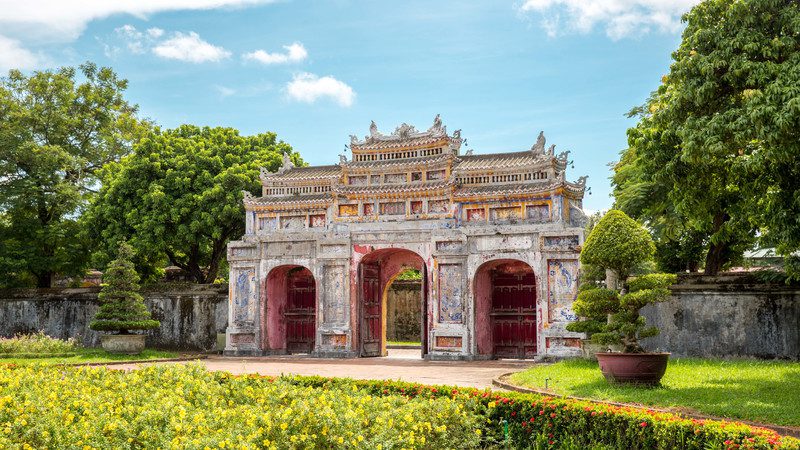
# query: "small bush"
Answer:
x=37 y=344
x=618 y=243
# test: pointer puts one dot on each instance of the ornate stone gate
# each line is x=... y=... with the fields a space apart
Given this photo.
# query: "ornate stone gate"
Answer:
x=496 y=236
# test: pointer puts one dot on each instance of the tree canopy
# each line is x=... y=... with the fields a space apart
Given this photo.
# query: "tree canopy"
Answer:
x=56 y=133
x=618 y=243
x=178 y=197
x=712 y=162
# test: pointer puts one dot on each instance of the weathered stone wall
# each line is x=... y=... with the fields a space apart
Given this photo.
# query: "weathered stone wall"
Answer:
x=190 y=315
x=404 y=311
x=727 y=316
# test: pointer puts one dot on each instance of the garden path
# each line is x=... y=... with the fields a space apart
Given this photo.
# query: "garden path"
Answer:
x=401 y=364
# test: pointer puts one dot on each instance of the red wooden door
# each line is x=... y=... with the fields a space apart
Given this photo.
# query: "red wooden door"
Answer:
x=300 y=312
x=513 y=315
x=371 y=317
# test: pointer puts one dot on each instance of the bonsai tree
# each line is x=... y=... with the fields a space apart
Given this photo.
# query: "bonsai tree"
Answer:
x=611 y=316
x=617 y=243
x=122 y=308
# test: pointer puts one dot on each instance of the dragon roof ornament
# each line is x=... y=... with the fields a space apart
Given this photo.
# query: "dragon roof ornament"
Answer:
x=404 y=132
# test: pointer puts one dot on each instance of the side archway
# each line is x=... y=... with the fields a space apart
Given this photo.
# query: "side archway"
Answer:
x=505 y=309
x=291 y=316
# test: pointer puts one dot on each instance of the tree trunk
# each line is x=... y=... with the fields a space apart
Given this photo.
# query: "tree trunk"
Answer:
x=717 y=254
x=716 y=258
x=44 y=280
x=612 y=279
x=217 y=252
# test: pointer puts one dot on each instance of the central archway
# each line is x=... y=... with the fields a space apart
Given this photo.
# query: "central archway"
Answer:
x=376 y=272
x=291 y=303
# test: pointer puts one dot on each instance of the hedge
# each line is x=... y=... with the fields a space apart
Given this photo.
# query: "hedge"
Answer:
x=536 y=421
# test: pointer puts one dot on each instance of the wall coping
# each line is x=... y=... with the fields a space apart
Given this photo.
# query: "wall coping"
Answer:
x=53 y=293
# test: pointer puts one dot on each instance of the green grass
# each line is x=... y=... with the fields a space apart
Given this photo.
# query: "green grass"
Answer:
x=403 y=343
x=761 y=391
x=91 y=355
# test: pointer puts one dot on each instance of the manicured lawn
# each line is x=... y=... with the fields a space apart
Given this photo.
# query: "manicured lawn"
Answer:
x=762 y=391
x=91 y=355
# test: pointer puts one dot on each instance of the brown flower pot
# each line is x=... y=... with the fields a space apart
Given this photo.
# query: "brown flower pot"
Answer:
x=633 y=368
x=128 y=344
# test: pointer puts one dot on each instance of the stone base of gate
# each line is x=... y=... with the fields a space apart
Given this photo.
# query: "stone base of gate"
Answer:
x=456 y=357
x=334 y=354
x=241 y=353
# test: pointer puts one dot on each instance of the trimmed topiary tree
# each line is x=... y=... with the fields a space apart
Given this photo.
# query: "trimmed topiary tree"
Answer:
x=122 y=308
x=618 y=243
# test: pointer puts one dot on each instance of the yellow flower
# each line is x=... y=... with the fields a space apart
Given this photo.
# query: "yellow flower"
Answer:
x=492 y=404
x=478 y=431
x=284 y=426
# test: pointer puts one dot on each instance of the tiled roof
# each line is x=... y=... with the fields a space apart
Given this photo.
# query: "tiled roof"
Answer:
x=506 y=189
x=424 y=160
x=310 y=172
x=393 y=188
x=496 y=161
x=301 y=198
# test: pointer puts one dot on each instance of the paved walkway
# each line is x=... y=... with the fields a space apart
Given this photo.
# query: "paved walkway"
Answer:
x=403 y=365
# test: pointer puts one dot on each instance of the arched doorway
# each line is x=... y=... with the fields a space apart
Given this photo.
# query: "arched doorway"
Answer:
x=376 y=271
x=291 y=305
x=505 y=309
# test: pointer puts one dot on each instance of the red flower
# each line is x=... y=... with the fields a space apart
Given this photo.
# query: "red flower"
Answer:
x=643 y=424
x=513 y=413
x=552 y=414
x=541 y=412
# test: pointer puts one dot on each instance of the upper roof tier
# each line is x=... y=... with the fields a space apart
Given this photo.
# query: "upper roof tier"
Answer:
x=405 y=142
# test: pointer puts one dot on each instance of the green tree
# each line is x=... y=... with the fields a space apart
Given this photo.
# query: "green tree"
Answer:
x=56 y=133
x=179 y=195
x=122 y=308
x=618 y=243
x=716 y=145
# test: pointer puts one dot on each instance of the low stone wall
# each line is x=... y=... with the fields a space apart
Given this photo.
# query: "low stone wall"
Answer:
x=730 y=315
x=190 y=315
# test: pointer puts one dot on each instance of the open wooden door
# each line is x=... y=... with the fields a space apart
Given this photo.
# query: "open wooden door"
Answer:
x=300 y=312
x=371 y=317
x=424 y=315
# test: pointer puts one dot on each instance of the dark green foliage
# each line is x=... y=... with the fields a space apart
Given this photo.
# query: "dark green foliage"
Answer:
x=596 y=303
x=56 y=133
x=122 y=308
x=178 y=197
x=410 y=274
x=618 y=243
x=713 y=159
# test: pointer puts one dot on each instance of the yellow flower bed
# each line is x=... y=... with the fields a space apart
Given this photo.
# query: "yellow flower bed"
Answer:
x=189 y=407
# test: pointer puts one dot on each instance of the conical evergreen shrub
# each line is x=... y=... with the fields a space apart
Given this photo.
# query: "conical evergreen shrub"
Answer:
x=122 y=308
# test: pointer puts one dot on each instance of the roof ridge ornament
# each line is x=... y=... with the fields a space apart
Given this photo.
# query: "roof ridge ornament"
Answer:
x=563 y=155
x=538 y=147
x=264 y=173
x=582 y=180
x=247 y=196
x=287 y=164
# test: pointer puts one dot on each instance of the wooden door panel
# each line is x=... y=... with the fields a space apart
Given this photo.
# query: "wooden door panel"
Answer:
x=513 y=315
x=371 y=318
x=300 y=312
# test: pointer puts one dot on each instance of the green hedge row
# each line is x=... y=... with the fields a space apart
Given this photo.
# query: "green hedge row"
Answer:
x=534 y=421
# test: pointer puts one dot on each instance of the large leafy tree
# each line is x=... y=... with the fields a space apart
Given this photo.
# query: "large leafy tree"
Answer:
x=57 y=130
x=713 y=158
x=178 y=197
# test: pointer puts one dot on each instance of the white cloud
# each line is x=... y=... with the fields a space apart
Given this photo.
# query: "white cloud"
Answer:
x=294 y=53
x=154 y=32
x=224 y=91
x=14 y=56
x=620 y=18
x=308 y=88
x=65 y=20
x=190 y=48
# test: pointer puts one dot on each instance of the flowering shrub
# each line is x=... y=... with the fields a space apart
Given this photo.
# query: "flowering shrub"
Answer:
x=545 y=422
x=36 y=344
x=189 y=407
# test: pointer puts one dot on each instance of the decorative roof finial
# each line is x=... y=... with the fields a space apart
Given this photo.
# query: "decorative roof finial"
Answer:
x=437 y=124
x=373 y=129
x=582 y=180
x=551 y=151
x=538 y=147
x=287 y=164
x=247 y=196
x=342 y=159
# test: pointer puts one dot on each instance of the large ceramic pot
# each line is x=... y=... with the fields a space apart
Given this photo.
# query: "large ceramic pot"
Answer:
x=633 y=368
x=128 y=344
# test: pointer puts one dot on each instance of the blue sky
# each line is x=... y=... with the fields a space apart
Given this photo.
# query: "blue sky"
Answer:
x=315 y=72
